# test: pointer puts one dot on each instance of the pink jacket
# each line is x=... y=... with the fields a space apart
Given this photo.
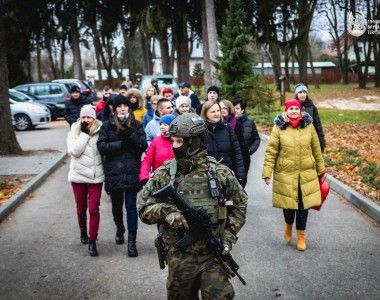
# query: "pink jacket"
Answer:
x=159 y=151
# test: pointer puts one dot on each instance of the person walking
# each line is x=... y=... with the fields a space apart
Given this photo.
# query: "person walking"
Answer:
x=122 y=142
x=221 y=141
x=182 y=105
x=228 y=112
x=213 y=95
x=196 y=267
x=158 y=151
x=137 y=103
x=74 y=105
x=301 y=93
x=152 y=129
x=185 y=90
x=86 y=174
x=251 y=135
x=294 y=156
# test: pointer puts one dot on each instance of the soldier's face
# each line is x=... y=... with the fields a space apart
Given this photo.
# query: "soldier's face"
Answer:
x=177 y=142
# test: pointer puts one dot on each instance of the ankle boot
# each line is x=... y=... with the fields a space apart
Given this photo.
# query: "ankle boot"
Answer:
x=288 y=233
x=92 y=248
x=301 y=243
x=83 y=236
x=132 y=250
x=119 y=237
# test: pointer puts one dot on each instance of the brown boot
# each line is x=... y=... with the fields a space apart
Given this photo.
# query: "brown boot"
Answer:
x=301 y=243
x=288 y=233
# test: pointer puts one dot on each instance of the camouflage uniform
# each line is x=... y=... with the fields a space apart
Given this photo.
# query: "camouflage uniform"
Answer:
x=195 y=268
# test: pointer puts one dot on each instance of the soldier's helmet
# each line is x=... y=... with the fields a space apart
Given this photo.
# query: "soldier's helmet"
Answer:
x=187 y=125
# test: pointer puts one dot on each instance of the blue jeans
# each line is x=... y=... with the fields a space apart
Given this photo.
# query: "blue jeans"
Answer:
x=130 y=206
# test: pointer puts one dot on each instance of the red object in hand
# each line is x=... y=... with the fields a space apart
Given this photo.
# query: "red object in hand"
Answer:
x=325 y=189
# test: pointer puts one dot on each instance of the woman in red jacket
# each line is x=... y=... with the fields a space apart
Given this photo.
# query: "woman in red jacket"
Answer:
x=159 y=150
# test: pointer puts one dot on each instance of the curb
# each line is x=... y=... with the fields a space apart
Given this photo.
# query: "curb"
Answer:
x=363 y=203
x=34 y=183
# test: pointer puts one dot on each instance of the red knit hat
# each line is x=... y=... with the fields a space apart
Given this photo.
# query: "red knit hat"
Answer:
x=292 y=102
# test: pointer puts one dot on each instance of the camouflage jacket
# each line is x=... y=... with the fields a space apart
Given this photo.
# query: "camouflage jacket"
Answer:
x=153 y=210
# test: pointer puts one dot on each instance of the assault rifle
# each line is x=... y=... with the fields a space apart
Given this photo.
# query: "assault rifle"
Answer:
x=200 y=228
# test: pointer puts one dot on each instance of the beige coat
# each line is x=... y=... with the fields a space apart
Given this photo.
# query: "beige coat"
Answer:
x=86 y=162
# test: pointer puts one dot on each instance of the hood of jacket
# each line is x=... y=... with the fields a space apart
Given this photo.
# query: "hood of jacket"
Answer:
x=138 y=95
x=282 y=121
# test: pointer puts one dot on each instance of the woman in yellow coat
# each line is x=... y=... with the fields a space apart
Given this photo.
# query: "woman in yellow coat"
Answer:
x=137 y=103
x=294 y=157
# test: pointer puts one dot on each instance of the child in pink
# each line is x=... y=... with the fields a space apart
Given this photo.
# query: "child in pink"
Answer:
x=159 y=150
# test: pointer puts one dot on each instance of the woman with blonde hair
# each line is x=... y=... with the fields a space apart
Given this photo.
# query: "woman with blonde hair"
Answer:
x=221 y=141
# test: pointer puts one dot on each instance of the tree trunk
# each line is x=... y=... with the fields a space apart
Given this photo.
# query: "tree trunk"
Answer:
x=206 y=53
x=51 y=59
x=359 y=65
x=29 y=67
x=182 y=50
x=302 y=58
x=63 y=57
x=39 y=71
x=276 y=63
x=211 y=34
x=75 y=43
x=8 y=141
x=345 y=46
x=376 y=50
x=316 y=83
x=147 y=54
x=165 y=58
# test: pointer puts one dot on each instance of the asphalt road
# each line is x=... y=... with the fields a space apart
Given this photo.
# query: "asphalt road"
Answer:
x=41 y=256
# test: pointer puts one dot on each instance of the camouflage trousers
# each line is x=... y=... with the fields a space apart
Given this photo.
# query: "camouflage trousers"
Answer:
x=190 y=273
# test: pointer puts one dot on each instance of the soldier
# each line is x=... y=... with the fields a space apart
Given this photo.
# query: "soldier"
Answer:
x=195 y=267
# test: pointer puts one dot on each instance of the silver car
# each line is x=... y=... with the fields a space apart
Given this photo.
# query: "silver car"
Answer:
x=28 y=115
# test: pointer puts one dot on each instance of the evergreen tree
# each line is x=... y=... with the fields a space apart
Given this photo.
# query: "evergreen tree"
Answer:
x=235 y=67
x=236 y=64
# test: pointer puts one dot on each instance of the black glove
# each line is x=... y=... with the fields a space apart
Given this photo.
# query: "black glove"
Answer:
x=143 y=181
x=125 y=133
x=84 y=127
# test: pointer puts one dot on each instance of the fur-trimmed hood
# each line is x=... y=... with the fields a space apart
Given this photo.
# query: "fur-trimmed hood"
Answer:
x=138 y=95
x=282 y=121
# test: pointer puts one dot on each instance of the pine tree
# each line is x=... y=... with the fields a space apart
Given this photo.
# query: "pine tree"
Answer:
x=236 y=64
x=235 y=67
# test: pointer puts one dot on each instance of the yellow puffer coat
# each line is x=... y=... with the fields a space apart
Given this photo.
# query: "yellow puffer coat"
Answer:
x=294 y=154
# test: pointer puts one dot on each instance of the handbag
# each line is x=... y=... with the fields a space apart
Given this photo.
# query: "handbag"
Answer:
x=324 y=188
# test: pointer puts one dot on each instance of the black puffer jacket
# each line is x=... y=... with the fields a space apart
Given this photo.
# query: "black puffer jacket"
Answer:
x=309 y=107
x=122 y=156
x=251 y=135
x=73 y=107
x=221 y=142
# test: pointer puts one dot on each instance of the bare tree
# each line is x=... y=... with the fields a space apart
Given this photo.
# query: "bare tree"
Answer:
x=206 y=52
x=212 y=36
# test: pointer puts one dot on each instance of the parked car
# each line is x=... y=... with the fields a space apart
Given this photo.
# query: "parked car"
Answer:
x=163 y=81
x=46 y=90
x=56 y=109
x=28 y=114
x=86 y=89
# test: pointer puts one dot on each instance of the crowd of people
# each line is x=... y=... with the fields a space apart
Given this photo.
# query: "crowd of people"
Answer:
x=135 y=143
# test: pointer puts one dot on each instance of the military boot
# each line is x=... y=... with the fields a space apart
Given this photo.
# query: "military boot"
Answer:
x=83 y=236
x=119 y=237
x=92 y=248
x=132 y=250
